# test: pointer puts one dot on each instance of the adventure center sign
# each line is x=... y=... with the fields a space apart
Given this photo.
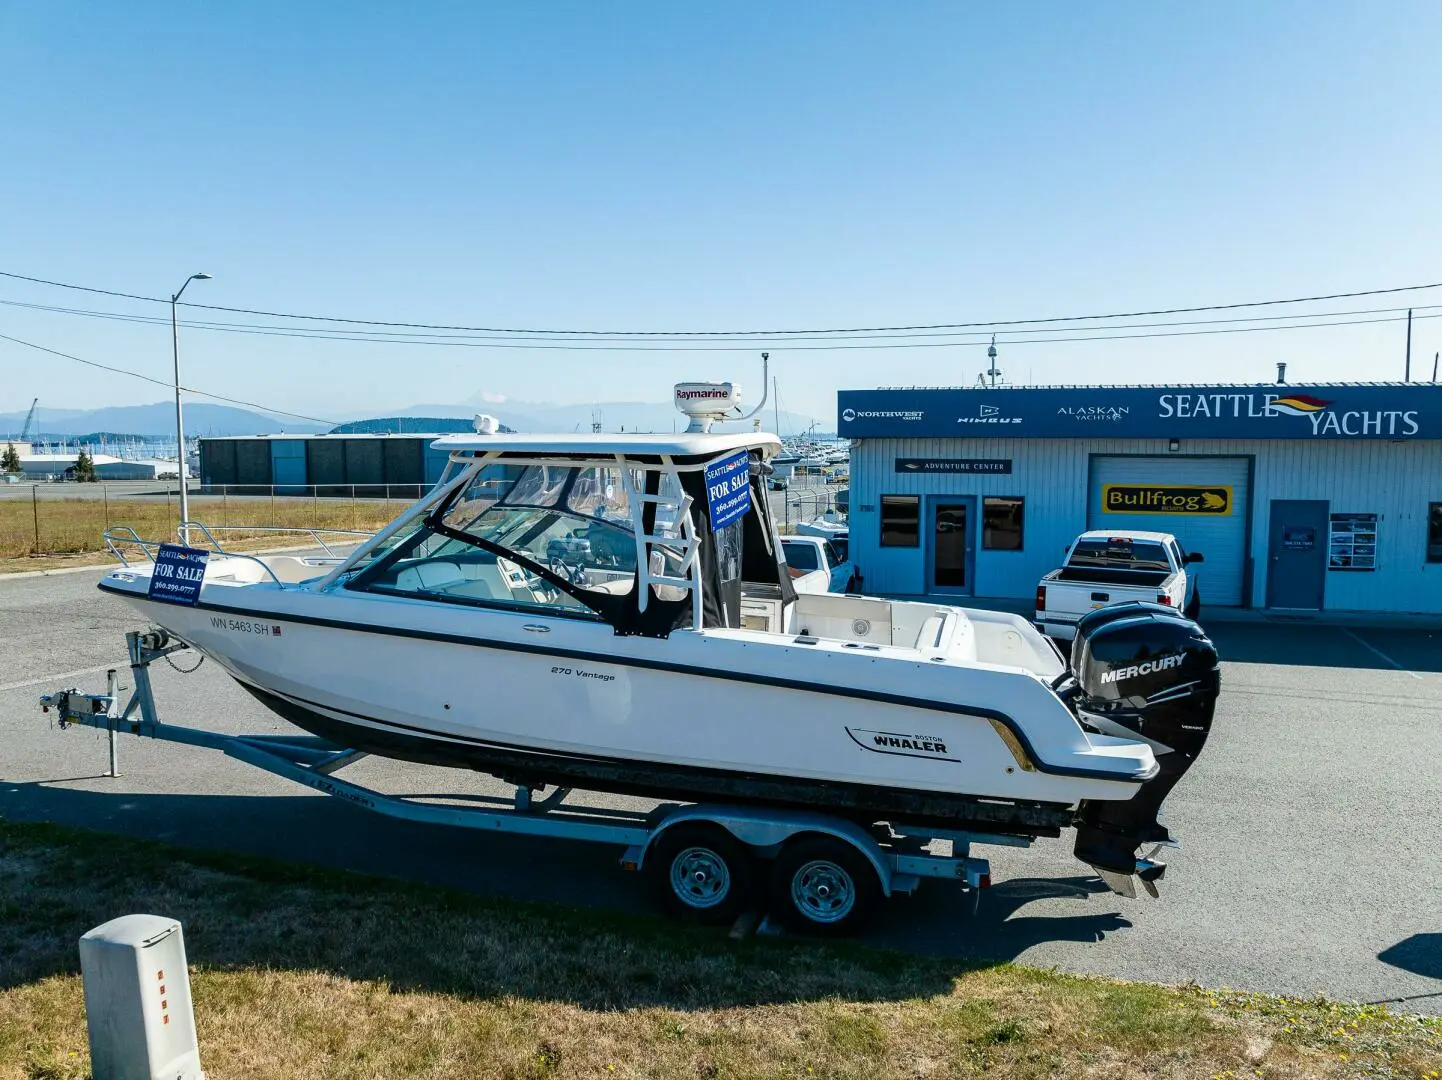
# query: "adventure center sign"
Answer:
x=1267 y=411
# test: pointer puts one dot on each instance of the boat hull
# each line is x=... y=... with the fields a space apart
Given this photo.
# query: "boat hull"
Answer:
x=535 y=769
x=736 y=715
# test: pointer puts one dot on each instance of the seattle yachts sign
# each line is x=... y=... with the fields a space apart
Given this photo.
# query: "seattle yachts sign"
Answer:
x=1325 y=420
x=1269 y=411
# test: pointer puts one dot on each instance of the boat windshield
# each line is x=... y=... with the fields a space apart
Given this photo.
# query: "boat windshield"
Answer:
x=548 y=536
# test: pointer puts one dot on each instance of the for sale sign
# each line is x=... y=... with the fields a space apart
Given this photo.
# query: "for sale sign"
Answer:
x=728 y=489
x=178 y=574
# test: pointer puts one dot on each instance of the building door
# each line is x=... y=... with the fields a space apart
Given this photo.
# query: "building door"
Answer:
x=1202 y=501
x=1297 y=554
x=952 y=523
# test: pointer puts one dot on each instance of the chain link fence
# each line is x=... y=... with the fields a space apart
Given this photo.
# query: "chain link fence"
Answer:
x=68 y=518
x=71 y=518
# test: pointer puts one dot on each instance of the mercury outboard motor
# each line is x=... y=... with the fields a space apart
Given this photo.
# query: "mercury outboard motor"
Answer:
x=1142 y=671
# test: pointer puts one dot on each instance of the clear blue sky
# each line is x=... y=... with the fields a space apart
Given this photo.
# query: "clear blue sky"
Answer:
x=715 y=166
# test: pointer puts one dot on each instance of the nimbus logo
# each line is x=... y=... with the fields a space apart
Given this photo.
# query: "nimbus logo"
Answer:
x=1161 y=663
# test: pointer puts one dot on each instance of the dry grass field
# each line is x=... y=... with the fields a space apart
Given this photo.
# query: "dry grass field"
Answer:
x=61 y=531
x=305 y=973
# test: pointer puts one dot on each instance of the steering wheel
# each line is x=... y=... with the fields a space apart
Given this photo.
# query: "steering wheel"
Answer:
x=576 y=575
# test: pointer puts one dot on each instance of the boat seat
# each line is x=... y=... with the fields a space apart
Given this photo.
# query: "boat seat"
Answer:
x=431 y=576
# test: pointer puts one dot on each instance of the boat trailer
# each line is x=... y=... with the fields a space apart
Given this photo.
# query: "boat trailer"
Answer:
x=712 y=863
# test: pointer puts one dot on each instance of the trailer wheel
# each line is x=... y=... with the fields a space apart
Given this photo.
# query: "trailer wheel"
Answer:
x=825 y=886
x=702 y=872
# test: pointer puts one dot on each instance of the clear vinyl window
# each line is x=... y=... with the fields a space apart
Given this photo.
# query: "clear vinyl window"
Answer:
x=485 y=544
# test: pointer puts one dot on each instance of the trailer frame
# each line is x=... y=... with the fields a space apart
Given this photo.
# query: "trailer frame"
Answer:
x=898 y=854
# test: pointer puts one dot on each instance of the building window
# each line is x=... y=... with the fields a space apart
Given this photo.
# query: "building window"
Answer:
x=1434 y=532
x=1001 y=519
x=901 y=521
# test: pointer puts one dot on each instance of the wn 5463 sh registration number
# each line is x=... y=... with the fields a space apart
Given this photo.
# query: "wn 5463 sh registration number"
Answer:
x=244 y=626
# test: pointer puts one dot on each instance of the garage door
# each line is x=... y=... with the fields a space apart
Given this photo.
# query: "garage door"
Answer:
x=1180 y=495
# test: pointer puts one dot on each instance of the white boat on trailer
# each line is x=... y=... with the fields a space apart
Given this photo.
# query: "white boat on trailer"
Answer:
x=613 y=613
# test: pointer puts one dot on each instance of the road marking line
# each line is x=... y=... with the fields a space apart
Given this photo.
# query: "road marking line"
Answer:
x=1368 y=645
x=62 y=675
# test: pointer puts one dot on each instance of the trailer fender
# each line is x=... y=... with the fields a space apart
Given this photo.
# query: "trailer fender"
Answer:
x=765 y=831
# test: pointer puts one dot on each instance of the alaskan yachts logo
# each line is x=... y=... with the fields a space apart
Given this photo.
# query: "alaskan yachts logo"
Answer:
x=1094 y=412
x=1298 y=405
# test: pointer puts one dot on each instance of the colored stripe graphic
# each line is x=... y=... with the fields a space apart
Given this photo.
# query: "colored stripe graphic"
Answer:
x=1299 y=405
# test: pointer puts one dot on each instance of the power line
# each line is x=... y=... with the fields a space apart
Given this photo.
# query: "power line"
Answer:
x=766 y=334
x=1335 y=318
x=167 y=385
x=82 y=288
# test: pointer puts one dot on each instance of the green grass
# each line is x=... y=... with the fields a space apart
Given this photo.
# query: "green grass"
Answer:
x=301 y=972
x=59 y=529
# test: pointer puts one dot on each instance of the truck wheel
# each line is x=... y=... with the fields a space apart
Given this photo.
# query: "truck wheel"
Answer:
x=1194 y=606
x=703 y=874
x=824 y=886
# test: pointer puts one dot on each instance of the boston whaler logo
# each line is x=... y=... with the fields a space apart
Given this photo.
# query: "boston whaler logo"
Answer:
x=1149 y=667
x=896 y=742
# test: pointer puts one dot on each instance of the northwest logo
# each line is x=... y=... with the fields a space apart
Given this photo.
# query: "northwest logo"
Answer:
x=1161 y=663
x=849 y=415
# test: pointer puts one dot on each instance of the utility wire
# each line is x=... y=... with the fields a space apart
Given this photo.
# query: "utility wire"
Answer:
x=766 y=334
x=1339 y=318
x=167 y=385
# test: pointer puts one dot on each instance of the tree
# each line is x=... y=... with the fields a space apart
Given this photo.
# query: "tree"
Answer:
x=84 y=468
x=10 y=460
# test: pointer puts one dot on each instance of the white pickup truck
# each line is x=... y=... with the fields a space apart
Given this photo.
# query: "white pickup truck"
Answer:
x=816 y=566
x=1104 y=568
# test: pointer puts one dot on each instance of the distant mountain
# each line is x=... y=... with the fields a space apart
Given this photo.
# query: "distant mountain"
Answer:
x=201 y=418
x=613 y=416
x=158 y=419
x=412 y=425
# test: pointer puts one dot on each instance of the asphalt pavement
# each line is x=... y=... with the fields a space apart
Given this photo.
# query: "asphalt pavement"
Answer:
x=1310 y=826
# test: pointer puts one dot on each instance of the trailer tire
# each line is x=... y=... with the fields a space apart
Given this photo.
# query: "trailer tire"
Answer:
x=825 y=886
x=703 y=874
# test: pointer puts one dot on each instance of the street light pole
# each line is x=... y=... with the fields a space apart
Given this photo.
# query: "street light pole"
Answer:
x=179 y=417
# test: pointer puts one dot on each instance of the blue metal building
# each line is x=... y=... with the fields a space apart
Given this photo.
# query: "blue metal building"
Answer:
x=389 y=466
x=1300 y=497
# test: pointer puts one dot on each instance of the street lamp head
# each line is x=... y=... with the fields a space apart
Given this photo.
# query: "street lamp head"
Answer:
x=199 y=277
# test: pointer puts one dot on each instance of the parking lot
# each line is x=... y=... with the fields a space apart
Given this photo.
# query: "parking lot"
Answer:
x=1310 y=826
